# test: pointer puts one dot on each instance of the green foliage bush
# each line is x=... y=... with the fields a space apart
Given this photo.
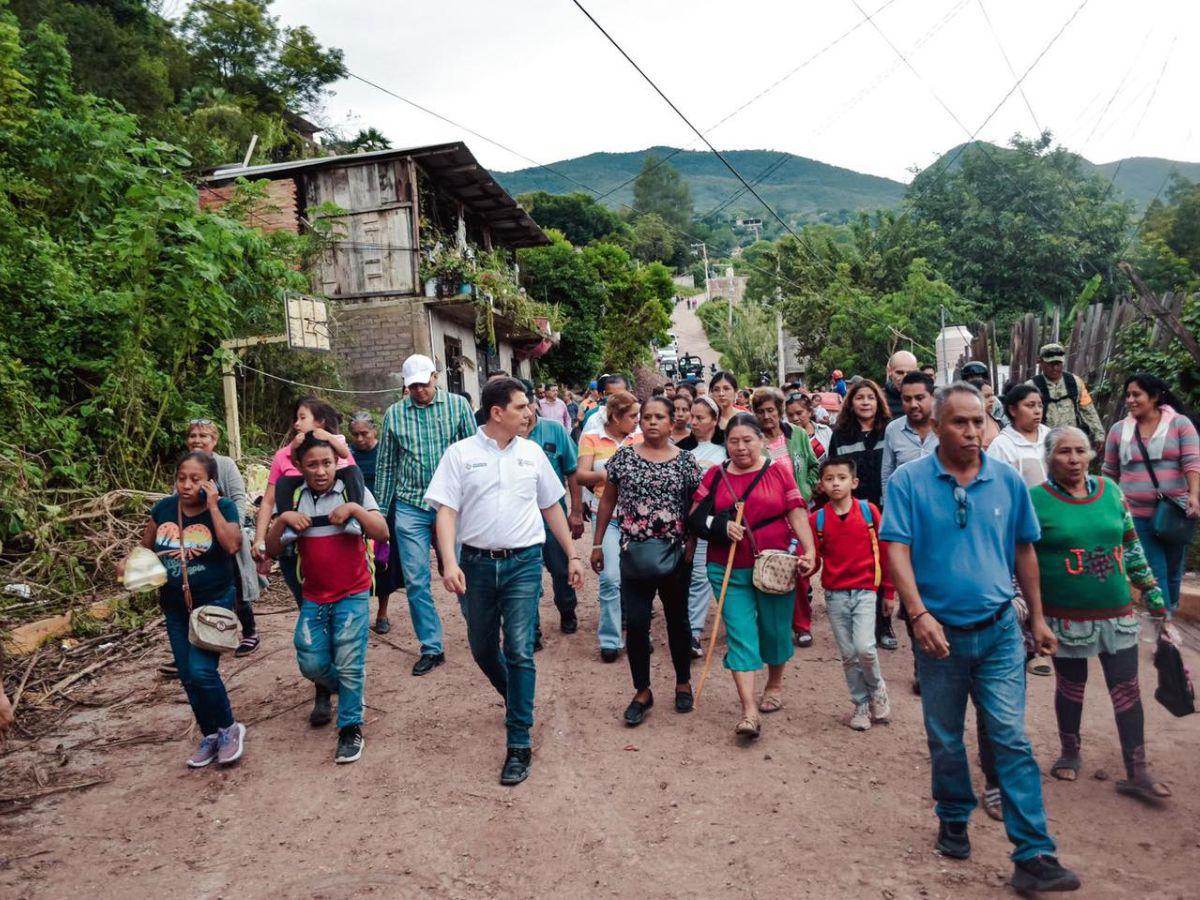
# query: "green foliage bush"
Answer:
x=117 y=288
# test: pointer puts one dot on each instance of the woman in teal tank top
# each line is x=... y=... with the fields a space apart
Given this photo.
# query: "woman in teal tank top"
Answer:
x=1088 y=555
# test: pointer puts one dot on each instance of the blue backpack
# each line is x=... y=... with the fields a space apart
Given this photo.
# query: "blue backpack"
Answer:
x=870 y=520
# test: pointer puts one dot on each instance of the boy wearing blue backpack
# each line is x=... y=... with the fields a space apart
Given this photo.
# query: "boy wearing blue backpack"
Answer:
x=853 y=564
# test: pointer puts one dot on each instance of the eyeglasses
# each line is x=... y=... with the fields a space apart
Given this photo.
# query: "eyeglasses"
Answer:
x=963 y=505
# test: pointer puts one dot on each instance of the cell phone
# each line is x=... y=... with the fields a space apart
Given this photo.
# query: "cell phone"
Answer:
x=203 y=495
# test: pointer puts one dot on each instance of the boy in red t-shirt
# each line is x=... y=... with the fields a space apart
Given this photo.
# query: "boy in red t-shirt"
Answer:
x=335 y=583
x=853 y=566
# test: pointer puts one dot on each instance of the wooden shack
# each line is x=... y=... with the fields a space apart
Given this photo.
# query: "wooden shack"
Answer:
x=371 y=206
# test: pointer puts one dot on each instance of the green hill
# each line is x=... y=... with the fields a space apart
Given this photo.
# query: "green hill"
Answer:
x=1138 y=178
x=799 y=188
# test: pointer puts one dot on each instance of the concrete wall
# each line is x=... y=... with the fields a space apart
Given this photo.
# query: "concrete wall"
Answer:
x=443 y=328
x=374 y=338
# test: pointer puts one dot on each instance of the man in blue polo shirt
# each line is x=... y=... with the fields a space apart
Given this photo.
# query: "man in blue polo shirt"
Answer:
x=959 y=525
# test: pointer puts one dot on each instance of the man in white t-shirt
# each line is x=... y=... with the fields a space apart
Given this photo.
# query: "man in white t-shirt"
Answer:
x=492 y=492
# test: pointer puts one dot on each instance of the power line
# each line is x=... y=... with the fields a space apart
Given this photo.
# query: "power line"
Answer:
x=1007 y=62
x=311 y=387
x=586 y=187
x=957 y=153
x=675 y=152
x=719 y=155
x=785 y=156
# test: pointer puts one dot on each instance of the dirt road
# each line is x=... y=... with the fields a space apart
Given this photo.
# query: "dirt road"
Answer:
x=675 y=808
x=690 y=332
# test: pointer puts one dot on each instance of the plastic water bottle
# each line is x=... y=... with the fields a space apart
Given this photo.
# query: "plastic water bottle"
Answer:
x=792 y=547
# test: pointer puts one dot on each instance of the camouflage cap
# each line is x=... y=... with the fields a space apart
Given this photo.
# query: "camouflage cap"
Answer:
x=1052 y=353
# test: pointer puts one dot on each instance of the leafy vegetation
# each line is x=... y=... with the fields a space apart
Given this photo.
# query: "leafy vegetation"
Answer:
x=118 y=288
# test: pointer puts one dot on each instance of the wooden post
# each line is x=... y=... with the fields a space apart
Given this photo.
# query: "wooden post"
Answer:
x=233 y=428
x=230 y=351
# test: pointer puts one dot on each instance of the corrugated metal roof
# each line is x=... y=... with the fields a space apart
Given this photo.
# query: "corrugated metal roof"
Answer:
x=452 y=167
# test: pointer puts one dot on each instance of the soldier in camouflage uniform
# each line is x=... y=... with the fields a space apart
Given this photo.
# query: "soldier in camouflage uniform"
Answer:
x=1065 y=398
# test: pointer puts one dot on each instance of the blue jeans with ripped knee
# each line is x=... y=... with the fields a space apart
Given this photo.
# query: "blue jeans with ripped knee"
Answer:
x=331 y=648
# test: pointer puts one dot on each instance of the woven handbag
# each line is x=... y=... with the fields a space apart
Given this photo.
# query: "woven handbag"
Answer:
x=774 y=570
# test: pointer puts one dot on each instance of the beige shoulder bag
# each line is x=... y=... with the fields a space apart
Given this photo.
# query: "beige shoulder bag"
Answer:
x=210 y=627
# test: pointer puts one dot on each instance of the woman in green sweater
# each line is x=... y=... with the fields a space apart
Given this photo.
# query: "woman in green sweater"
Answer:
x=1088 y=555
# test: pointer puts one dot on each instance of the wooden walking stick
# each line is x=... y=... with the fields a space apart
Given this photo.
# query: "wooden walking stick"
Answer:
x=712 y=641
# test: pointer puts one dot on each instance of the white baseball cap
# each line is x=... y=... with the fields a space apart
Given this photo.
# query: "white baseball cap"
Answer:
x=418 y=369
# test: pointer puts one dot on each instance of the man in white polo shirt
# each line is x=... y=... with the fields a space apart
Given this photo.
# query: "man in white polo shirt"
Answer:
x=492 y=492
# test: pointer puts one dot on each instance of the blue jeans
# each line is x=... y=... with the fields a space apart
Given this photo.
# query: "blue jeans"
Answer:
x=198 y=668
x=555 y=561
x=852 y=620
x=414 y=532
x=609 y=629
x=1166 y=561
x=331 y=648
x=700 y=592
x=988 y=666
x=502 y=596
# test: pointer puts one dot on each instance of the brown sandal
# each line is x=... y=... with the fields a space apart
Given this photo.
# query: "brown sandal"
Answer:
x=749 y=727
x=1145 y=788
x=771 y=702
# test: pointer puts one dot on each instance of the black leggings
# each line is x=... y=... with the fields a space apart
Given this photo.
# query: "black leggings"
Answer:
x=1121 y=676
x=637 y=598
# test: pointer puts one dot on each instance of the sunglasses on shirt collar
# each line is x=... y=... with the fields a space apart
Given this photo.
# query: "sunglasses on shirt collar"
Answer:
x=962 y=505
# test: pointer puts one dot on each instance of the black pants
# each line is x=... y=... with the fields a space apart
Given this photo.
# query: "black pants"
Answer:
x=637 y=598
x=243 y=610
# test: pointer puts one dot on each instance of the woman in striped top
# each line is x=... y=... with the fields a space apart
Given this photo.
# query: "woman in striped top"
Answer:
x=1157 y=431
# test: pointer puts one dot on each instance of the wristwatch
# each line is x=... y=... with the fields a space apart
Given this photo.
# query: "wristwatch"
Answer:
x=261 y=547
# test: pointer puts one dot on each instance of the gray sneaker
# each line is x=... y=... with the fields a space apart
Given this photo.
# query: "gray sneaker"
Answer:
x=205 y=753
x=860 y=718
x=230 y=743
x=881 y=707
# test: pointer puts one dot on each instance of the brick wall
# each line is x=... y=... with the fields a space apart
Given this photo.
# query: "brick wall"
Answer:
x=277 y=211
x=372 y=341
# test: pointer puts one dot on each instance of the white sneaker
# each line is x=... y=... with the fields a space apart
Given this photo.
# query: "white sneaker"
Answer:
x=860 y=719
x=881 y=707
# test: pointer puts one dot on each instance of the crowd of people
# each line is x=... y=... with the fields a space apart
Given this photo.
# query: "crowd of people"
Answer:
x=982 y=519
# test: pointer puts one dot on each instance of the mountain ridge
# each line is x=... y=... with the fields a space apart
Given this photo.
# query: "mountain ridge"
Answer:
x=798 y=187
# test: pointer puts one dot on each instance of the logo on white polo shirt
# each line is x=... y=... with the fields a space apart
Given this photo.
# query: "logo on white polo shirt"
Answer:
x=526 y=463
x=476 y=465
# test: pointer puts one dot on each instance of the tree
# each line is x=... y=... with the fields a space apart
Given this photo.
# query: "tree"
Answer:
x=117 y=292
x=750 y=347
x=661 y=190
x=580 y=218
x=637 y=305
x=1023 y=227
x=559 y=274
x=652 y=240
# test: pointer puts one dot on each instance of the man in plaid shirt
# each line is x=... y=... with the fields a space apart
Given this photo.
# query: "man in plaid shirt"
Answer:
x=416 y=433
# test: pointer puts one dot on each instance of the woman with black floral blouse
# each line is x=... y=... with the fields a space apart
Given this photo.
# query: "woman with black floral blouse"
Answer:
x=650 y=487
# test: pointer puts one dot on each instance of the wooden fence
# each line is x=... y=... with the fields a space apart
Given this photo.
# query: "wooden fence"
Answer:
x=1090 y=345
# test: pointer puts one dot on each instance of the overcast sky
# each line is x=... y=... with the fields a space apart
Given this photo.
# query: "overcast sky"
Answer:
x=537 y=76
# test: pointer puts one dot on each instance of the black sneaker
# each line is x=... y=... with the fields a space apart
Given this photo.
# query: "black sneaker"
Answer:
x=321 y=713
x=350 y=744
x=953 y=840
x=609 y=654
x=569 y=623
x=428 y=662
x=697 y=650
x=516 y=765
x=1042 y=873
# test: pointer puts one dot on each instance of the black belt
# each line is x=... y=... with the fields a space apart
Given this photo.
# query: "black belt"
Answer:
x=983 y=623
x=494 y=554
